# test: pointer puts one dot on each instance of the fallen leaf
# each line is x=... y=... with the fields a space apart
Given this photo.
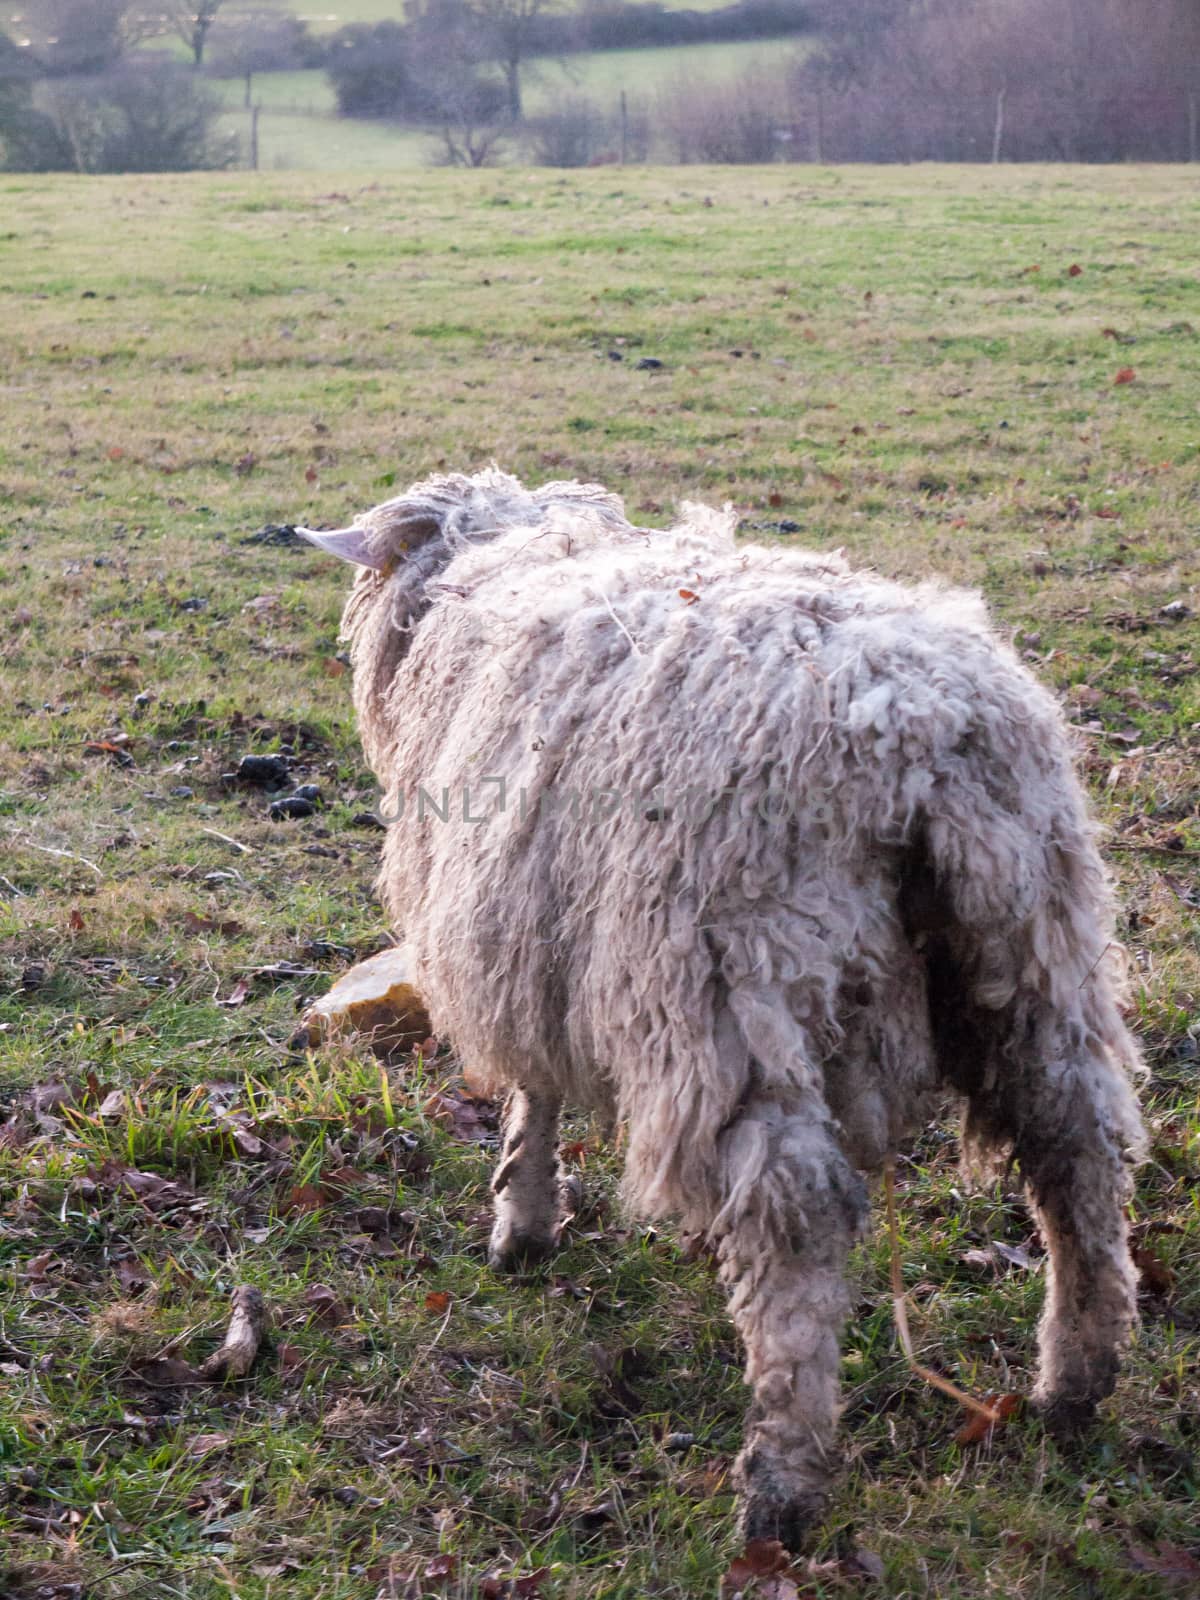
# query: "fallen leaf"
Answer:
x=305 y=1197
x=1178 y=1567
x=1154 y=1276
x=325 y=1306
x=1074 y=270
x=977 y=1427
x=75 y=921
x=167 y=1372
x=311 y=475
x=198 y=924
x=36 y=1267
x=332 y=667
x=238 y=995
x=437 y=1301
x=112 y=1107
x=1125 y=375
x=689 y=595
x=498 y=1586
x=204 y=1444
x=291 y=1357
x=1015 y=1255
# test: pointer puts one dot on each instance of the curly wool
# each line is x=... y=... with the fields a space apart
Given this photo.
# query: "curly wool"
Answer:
x=848 y=867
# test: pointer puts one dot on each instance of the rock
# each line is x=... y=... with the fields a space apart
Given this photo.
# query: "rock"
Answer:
x=649 y=364
x=377 y=999
x=292 y=805
x=1176 y=611
x=268 y=771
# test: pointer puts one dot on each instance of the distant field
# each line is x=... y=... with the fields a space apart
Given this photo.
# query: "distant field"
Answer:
x=326 y=19
x=299 y=127
x=989 y=374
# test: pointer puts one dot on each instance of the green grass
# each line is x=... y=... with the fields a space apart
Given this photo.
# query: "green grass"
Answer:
x=868 y=356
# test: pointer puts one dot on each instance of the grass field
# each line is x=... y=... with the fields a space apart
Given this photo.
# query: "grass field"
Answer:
x=299 y=129
x=903 y=362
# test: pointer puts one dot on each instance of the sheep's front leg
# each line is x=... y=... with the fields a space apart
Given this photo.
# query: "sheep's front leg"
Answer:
x=1079 y=1183
x=527 y=1183
x=793 y=1210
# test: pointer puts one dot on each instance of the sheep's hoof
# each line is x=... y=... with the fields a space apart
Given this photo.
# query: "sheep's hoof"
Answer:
x=515 y=1252
x=790 y=1519
x=773 y=1509
x=1066 y=1416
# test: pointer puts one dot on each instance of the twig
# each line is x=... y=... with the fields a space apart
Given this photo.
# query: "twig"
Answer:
x=46 y=850
x=246 y=1326
x=633 y=644
x=900 y=1312
x=225 y=839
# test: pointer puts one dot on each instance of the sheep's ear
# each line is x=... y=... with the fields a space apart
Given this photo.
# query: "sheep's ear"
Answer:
x=351 y=544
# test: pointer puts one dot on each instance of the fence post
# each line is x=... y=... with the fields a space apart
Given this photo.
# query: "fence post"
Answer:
x=624 y=128
x=1192 y=122
x=254 y=111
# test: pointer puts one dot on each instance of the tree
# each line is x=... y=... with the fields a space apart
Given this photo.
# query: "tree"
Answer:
x=503 y=30
x=69 y=36
x=193 y=22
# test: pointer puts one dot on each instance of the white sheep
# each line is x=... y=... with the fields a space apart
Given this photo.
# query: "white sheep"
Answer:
x=760 y=858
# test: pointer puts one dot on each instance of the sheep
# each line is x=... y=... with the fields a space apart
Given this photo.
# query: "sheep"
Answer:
x=759 y=858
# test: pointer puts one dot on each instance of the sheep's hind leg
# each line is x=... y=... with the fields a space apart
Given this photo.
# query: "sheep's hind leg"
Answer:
x=527 y=1184
x=1079 y=1181
x=793 y=1209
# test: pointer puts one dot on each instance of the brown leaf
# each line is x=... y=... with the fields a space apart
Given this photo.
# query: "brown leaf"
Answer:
x=437 y=1301
x=441 y=1567
x=36 y=1268
x=977 y=1427
x=204 y=1444
x=247 y=1142
x=198 y=924
x=311 y=475
x=1178 y=1567
x=1074 y=270
x=325 y=1306
x=332 y=667
x=469 y=1118
x=1154 y=1276
x=305 y=1197
x=775 y=499
x=115 y=452
x=763 y=1570
x=238 y=995
x=291 y=1357
x=1125 y=375
x=167 y=1372
x=689 y=595
x=498 y=1586
x=112 y=1107
x=75 y=921
x=864 y=1563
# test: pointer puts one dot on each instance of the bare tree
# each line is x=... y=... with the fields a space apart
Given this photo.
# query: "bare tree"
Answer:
x=193 y=20
x=511 y=25
x=69 y=36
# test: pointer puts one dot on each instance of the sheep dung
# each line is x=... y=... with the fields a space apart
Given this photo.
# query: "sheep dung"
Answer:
x=377 y=999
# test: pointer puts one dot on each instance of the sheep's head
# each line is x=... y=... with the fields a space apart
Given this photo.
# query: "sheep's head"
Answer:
x=437 y=517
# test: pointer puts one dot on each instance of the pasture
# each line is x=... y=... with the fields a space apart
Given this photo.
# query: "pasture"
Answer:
x=989 y=374
x=300 y=129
